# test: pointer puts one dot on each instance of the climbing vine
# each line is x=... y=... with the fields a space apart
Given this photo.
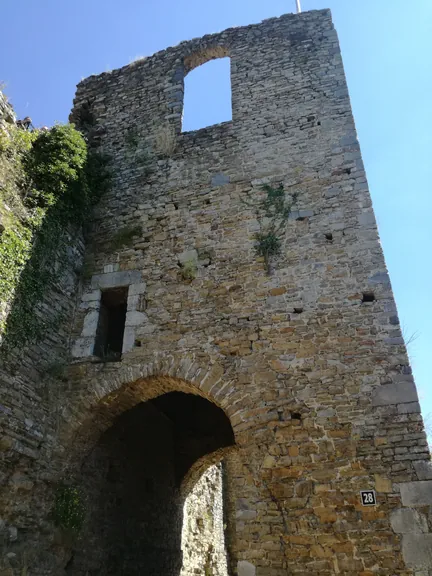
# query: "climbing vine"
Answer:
x=272 y=213
x=54 y=180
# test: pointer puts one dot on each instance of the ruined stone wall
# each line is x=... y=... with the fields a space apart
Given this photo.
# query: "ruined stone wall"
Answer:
x=31 y=399
x=320 y=392
x=308 y=362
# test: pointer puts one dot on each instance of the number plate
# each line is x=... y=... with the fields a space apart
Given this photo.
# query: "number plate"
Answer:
x=368 y=497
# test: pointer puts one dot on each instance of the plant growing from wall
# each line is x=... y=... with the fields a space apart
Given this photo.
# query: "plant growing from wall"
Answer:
x=69 y=510
x=189 y=270
x=272 y=213
x=55 y=179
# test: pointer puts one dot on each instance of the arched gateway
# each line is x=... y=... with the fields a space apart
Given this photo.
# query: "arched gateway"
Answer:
x=237 y=397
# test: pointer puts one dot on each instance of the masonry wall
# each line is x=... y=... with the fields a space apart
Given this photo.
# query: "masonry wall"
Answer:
x=308 y=362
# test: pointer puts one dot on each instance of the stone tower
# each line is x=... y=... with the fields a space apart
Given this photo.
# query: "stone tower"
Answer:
x=196 y=343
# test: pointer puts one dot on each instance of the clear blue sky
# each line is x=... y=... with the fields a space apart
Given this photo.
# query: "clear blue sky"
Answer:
x=47 y=46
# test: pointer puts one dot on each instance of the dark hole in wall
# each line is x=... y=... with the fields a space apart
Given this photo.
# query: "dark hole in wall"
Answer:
x=368 y=297
x=131 y=484
x=111 y=324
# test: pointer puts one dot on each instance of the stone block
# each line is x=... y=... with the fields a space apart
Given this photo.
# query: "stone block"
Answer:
x=111 y=268
x=82 y=348
x=134 y=318
x=128 y=339
x=137 y=289
x=94 y=296
x=397 y=393
x=380 y=278
x=332 y=192
x=383 y=484
x=416 y=493
x=417 y=550
x=423 y=469
x=306 y=213
x=133 y=302
x=410 y=408
x=90 y=324
x=220 y=179
x=367 y=219
x=246 y=515
x=115 y=279
x=245 y=568
x=408 y=521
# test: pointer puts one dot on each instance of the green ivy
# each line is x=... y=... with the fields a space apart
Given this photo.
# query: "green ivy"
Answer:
x=60 y=179
x=69 y=510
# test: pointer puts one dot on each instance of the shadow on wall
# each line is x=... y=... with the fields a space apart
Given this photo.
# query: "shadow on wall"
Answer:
x=131 y=485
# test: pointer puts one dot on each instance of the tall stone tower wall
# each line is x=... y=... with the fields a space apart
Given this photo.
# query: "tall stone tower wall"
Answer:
x=305 y=356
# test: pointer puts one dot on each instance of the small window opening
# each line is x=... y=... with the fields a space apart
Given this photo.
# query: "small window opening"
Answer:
x=111 y=325
x=298 y=310
x=329 y=237
x=295 y=416
x=207 y=96
x=368 y=297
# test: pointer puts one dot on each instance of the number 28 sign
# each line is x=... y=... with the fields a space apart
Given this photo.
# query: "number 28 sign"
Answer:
x=368 y=497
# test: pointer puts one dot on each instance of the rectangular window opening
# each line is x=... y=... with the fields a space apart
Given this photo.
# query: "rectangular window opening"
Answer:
x=111 y=324
x=207 y=97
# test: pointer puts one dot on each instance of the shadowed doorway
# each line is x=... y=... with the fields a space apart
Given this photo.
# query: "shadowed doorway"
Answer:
x=131 y=486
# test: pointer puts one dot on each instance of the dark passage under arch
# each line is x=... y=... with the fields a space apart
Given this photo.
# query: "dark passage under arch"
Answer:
x=131 y=486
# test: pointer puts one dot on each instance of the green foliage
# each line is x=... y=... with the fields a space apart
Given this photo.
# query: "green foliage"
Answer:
x=189 y=270
x=14 y=145
x=58 y=181
x=267 y=245
x=15 y=244
x=125 y=236
x=69 y=511
x=272 y=213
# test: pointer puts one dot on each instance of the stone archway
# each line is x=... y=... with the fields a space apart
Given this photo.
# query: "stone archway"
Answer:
x=149 y=450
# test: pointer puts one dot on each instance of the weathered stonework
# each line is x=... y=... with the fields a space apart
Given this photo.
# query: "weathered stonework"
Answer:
x=308 y=363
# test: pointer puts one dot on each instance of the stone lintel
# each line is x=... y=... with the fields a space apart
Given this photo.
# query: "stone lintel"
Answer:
x=115 y=279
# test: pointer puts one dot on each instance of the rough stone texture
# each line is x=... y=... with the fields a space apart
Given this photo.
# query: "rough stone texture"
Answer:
x=203 y=542
x=310 y=374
